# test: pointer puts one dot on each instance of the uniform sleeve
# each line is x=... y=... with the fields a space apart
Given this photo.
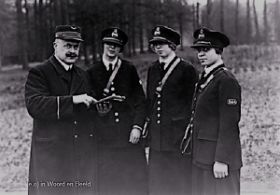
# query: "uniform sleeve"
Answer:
x=138 y=99
x=229 y=115
x=191 y=77
x=39 y=101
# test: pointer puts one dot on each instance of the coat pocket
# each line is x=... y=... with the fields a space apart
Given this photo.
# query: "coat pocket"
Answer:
x=205 y=151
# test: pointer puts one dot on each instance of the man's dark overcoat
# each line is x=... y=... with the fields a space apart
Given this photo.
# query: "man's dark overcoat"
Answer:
x=169 y=171
x=63 y=138
x=122 y=167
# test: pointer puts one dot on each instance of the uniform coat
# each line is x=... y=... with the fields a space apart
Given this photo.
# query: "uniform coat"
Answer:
x=62 y=141
x=215 y=127
x=169 y=118
x=121 y=164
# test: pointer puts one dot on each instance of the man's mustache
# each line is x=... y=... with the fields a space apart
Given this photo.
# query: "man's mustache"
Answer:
x=72 y=55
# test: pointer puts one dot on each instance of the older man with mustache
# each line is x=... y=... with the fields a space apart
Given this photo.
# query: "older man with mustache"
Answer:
x=56 y=96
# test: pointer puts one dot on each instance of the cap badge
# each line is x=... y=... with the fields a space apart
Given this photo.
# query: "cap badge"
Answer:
x=201 y=34
x=73 y=27
x=115 y=33
x=157 y=31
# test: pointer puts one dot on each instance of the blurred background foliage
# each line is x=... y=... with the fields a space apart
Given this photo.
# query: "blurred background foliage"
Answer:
x=27 y=26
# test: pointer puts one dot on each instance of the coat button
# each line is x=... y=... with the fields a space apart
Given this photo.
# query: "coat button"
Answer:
x=158 y=121
x=158 y=115
x=158 y=102
x=91 y=135
x=117 y=120
x=75 y=136
x=158 y=108
x=75 y=122
x=158 y=95
x=112 y=88
x=116 y=114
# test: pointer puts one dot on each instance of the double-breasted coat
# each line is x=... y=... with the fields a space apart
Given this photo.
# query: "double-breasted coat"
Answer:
x=62 y=145
x=169 y=171
x=215 y=126
x=121 y=164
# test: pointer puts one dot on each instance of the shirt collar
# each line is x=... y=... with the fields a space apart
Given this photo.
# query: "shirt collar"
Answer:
x=107 y=62
x=167 y=60
x=213 y=66
x=64 y=65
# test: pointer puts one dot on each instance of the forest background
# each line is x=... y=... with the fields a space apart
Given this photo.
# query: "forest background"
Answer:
x=26 y=36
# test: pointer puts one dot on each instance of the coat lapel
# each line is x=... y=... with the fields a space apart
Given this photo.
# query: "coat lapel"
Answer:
x=58 y=67
x=77 y=81
x=61 y=74
x=77 y=78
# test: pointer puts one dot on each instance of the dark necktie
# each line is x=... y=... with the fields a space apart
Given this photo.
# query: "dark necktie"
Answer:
x=162 y=71
x=201 y=79
x=110 y=68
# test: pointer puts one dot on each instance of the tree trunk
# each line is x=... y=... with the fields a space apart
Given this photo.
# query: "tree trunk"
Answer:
x=181 y=27
x=1 y=54
x=36 y=35
x=133 y=32
x=277 y=21
x=222 y=16
x=27 y=27
x=193 y=17
x=140 y=29
x=197 y=15
x=237 y=22
x=41 y=44
x=208 y=15
x=21 y=35
x=265 y=23
x=248 y=23
x=257 y=36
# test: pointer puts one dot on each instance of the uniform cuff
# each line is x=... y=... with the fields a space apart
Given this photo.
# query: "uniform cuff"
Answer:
x=137 y=127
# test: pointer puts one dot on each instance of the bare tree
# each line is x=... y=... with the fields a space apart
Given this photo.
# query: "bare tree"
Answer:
x=248 y=22
x=197 y=14
x=265 y=22
x=6 y=25
x=277 y=24
x=21 y=35
x=208 y=13
x=257 y=36
x=222 y=16
x=236 y=22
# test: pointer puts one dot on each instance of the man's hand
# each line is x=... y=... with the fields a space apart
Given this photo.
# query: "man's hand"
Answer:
x=220 y=170
x=134 y=135
x=103 y=108
x=83 y=99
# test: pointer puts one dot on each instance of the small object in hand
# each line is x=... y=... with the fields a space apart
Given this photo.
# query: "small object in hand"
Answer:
x=112 y=97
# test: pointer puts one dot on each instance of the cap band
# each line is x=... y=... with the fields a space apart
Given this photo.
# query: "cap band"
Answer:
x=68 y=35
x=113 y=40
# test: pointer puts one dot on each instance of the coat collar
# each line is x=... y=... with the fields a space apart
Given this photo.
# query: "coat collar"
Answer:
x=77 y=78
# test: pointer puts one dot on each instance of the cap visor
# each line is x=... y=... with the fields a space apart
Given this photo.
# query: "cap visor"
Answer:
x=112 y=40
x=200 y=45
x=159 y=40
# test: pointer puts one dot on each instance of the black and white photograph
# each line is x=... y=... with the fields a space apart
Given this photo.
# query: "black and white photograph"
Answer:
x=139 y=97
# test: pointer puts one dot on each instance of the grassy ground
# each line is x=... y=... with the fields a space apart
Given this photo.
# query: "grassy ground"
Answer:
x=260 y=129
